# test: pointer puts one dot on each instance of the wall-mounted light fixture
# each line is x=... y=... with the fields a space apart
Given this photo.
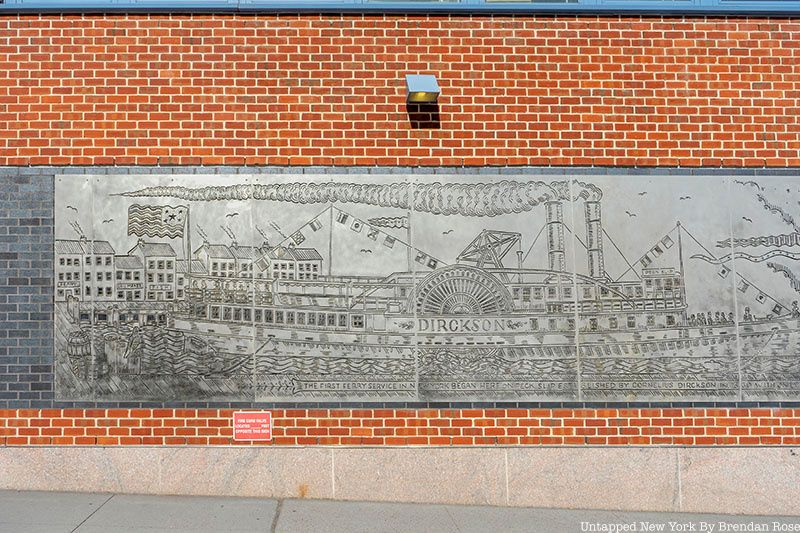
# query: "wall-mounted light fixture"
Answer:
x=421 y=89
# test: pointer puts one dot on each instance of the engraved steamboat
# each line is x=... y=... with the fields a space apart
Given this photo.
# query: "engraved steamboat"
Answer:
x=476 y=305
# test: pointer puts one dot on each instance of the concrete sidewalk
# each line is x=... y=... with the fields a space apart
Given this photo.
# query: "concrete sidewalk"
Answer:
x=67 y=512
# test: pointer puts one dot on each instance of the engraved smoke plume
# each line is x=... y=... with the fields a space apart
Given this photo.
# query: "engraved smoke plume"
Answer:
x=473 y=199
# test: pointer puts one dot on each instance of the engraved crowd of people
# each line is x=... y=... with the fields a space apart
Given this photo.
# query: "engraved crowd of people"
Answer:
x=719 y=318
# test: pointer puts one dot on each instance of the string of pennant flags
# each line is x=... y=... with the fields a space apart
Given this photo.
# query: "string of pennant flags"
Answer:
x=744 y=285
x=370 y=229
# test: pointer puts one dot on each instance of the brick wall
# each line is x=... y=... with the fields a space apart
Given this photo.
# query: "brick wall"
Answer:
x=329 y=90
x=431 y=427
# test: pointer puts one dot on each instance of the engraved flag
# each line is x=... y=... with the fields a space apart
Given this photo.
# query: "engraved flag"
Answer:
x=372 y=233
x=433 y=263
x=723 y=272
x=298 y=237
x=341 y=217
x=667 y=242
x=357 y=225
x=777 y=309
x=315 y=225
x=421 y=257
x=646 y=260
x=157 y=220
x=743 y=285
x=657 y=251
x=389 y=241
x=761 y=298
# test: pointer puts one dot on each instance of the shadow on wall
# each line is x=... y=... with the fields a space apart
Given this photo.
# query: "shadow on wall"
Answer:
x=423 y=116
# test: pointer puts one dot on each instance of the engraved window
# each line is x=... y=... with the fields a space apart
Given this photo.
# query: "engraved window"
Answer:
x=604 y=291
x=99 y=291
x=259 y=315
x=639 y=292
x=108 y=260
x=87 y=276
x=587 y=292
x=593 y=324
x=160 y=277
x=170 y=277
x=551 y=324
x=151 y=295
x=358 y=321
x=551 y=292
x=290 y=317
x=612 y=322
x=61 y=262
x=331 y=319
x=571 y=323
x=268 y=316
x=108 y=276
x=169 y=264
x=99 y=276
x=120 y=296
x=537 y=293
x=136 y=276
x=248 y=315
x=343 y=321
x=61 y=276
x=631 y=321
x=534 y=324
x=215 y=311
x=161 y=265
x=567 y=292
x=526 y=294
x=312 y=319
x=88 y=260
x=137 y=294
x=226 y=313
x=670 y=320
x=279 y=317
x=151 y=264
x=651 y=320
x=301 y=318
x=214 y=266
x=237 y=314
x=98 y=261
x=517 y=293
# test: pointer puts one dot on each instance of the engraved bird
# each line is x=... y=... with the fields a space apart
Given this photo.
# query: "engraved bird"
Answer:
x=447 y=232
x=365 y=251
x=231 y=215
x=747 y=219
x=685 y=198
x=73 y=208
x=108 y=220
x=630 y=214
x=642 y=193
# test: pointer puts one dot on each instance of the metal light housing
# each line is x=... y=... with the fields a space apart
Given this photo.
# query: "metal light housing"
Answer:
x=422 y=89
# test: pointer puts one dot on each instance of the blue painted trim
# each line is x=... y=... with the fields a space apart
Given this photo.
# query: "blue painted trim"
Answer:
x=677 y=7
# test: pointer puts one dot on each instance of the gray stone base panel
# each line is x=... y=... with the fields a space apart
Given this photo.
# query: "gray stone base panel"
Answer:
x=756 y=481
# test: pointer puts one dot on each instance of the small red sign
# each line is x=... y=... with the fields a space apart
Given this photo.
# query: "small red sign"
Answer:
x=252 y=425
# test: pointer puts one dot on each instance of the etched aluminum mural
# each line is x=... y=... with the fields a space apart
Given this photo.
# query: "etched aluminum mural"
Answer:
x=393 y=288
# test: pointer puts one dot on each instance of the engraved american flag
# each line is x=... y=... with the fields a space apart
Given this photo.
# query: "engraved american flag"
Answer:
x=157 y=220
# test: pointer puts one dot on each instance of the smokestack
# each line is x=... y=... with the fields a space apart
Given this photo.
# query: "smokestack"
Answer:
x=555 y=236
x=594 y=240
